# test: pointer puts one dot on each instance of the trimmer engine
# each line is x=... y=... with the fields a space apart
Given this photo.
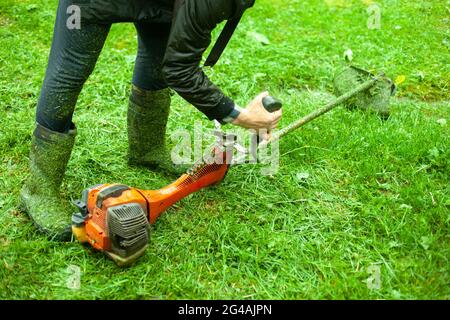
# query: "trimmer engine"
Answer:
x=116 y=218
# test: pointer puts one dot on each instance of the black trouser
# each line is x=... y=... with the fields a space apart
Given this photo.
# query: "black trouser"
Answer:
x=73 y=56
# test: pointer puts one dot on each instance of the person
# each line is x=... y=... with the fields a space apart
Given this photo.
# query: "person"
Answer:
x=172 y=37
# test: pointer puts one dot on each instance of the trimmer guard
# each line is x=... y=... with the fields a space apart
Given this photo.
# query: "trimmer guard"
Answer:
x=376 y=99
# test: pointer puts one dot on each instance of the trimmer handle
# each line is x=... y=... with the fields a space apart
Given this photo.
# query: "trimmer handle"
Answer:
x=272 y=104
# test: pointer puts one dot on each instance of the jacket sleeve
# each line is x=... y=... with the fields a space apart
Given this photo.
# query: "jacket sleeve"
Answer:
x=190 y=37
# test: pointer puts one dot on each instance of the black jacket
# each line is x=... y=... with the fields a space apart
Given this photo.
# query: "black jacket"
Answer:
x=189 y=38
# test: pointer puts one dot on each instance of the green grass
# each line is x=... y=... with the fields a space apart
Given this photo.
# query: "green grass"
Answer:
x=377 y=192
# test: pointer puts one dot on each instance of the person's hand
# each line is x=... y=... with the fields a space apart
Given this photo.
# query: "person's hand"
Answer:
x=256 y=117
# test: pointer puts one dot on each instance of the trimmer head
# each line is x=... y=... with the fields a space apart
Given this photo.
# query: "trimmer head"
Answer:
x=375 y=99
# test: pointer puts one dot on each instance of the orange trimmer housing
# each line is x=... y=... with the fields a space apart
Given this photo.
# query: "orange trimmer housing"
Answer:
x=116 y=218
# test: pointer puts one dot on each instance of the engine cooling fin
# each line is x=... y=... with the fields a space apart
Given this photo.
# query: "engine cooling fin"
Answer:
x=128 y=228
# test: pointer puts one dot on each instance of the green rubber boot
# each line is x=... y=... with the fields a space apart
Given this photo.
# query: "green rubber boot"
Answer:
x=148 y=112
x=40 y=198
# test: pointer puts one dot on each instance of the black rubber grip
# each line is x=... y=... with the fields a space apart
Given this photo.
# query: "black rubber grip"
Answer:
x=272 y=104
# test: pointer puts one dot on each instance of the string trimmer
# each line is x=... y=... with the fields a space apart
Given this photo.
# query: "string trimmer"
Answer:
x=116 y=218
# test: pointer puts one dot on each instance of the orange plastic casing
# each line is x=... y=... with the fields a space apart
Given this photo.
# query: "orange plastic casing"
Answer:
x=153 y=202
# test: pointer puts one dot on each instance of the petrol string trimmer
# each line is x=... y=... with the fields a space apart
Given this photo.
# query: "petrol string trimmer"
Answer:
x=116 y=218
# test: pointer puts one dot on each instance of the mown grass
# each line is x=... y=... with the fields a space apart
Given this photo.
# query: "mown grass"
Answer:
x=352 y=191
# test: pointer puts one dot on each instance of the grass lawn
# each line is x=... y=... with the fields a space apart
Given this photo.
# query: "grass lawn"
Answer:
x=352 y=192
